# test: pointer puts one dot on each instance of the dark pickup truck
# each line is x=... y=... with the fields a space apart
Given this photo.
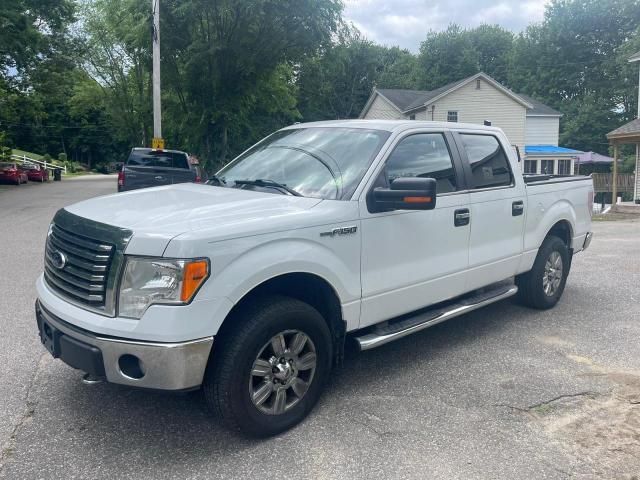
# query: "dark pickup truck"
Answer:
x=146 y=167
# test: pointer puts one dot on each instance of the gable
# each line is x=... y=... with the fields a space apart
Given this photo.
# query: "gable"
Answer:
x=487 y=103
x=380 y=108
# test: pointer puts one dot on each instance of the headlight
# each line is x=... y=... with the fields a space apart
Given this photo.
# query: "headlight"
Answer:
x=149 y=281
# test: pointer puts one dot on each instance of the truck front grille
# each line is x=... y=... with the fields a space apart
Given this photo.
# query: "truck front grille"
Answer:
x=78 y=267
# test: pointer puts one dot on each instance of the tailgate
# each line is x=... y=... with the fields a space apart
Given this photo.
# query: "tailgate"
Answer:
x=181 y=175
x=142 y=177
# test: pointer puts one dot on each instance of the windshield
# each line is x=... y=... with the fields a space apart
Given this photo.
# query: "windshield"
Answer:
x=320 y=162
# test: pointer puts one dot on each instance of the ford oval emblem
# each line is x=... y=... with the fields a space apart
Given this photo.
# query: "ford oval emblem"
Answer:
x=58 y=259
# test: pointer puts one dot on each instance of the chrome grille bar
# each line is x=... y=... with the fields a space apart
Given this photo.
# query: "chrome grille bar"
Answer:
x=83 y=272
x=80 y=242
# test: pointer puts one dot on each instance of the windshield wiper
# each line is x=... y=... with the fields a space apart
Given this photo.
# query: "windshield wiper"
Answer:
x=261 y=182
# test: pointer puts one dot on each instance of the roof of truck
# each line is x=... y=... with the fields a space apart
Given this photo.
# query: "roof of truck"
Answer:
x=392 y=125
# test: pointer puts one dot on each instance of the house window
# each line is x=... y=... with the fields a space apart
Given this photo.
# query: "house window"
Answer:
x=452 y=116
x=530 y=166
x=478 y=84
x=564 y=167
x=412 y=116
x=546 y=167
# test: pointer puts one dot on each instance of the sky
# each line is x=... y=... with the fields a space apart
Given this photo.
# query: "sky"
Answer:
x=406 y=22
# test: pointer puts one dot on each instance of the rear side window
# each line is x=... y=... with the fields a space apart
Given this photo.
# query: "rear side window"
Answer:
x=489 y=163
x=142 y=158
x=423 y=155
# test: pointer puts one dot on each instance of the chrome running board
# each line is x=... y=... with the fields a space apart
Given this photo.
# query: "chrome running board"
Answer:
x=425 y=319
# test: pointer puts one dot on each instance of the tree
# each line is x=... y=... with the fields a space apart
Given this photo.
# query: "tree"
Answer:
x=336 y=83
x=223 y=50
x=31 y=30
x=575 y=62
x=446 y=57
x=399 y=69
x=493 y=45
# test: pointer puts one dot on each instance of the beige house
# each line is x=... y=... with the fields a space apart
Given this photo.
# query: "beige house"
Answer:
x=529 y=124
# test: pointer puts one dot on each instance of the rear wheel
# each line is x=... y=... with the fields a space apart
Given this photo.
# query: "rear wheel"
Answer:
x=544 y=284
x=268 y=370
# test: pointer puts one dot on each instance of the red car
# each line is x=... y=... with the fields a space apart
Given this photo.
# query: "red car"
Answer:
x=36 y=173
x=12 y=173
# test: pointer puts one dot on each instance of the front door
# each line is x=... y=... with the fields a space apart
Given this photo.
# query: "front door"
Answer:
x=411 y=259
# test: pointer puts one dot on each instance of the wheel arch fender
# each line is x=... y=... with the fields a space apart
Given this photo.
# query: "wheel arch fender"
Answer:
x=559 y=218
x=299 y=268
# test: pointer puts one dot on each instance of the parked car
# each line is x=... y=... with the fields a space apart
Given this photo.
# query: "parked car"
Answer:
x=248 y=286
x=36 y=173
x=146 y=167
x=12 y=173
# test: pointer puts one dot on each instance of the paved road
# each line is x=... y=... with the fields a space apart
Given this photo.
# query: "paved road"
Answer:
x=504 y=392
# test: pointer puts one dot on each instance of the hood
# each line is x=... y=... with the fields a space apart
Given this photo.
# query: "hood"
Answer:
x=158 y=214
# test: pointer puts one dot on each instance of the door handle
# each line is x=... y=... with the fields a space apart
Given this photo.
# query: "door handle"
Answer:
x=461 y=217
x=517 y=208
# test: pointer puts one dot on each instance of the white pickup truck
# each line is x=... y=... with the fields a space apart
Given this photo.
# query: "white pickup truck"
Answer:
x=324 y=232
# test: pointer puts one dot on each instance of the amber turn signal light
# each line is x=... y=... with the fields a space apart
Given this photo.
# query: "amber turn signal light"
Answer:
x=195 y=273
x=417 y=199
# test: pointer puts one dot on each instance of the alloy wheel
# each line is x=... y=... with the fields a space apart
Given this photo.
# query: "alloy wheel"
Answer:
x=552 y=275
x=282 y=372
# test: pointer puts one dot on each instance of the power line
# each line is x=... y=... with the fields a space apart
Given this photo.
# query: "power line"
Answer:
x=58 y=127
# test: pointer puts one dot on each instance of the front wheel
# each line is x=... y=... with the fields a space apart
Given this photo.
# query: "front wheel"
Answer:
x=543 y=285
x=268 y=369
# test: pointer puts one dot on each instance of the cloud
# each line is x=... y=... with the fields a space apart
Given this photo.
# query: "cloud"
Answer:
x=406 y=22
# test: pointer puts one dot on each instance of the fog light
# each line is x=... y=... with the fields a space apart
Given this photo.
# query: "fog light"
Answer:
x=131 y=366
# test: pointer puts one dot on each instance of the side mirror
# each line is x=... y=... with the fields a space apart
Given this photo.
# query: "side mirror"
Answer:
x=411 y=193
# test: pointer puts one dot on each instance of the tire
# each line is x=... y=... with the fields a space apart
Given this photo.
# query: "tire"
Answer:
x=543 y=285
x=251 y=402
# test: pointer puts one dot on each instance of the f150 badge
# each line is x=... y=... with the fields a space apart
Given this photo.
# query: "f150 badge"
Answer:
x=340 y=231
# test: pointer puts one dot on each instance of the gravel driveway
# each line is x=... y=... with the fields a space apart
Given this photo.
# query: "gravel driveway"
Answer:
x=504 y=392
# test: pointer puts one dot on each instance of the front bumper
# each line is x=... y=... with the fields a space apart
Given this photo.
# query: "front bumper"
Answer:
x=155 y=365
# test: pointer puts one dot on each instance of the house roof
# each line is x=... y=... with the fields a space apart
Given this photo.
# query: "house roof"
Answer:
x=635 y=57
x=539 y=108
x=407 y=100
x=549 y=150
x=593 y=157
x=631 y=129
x=402 y=99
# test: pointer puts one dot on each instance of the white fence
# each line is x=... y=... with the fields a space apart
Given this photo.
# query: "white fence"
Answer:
x=45 y=164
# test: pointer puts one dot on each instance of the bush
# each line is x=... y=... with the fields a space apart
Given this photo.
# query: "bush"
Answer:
x=62 y=157
x=102 y=168
x=72 y=167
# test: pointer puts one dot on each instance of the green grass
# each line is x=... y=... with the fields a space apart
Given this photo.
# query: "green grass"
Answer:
x=35 y=156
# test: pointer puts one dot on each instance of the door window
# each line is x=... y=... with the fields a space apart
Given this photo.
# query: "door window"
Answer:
x=423 y=155
x=489 y=163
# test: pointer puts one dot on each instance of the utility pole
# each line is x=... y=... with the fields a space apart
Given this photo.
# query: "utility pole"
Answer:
x=158 y=141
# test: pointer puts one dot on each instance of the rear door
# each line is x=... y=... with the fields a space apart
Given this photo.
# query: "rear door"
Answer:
x=497 y=203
